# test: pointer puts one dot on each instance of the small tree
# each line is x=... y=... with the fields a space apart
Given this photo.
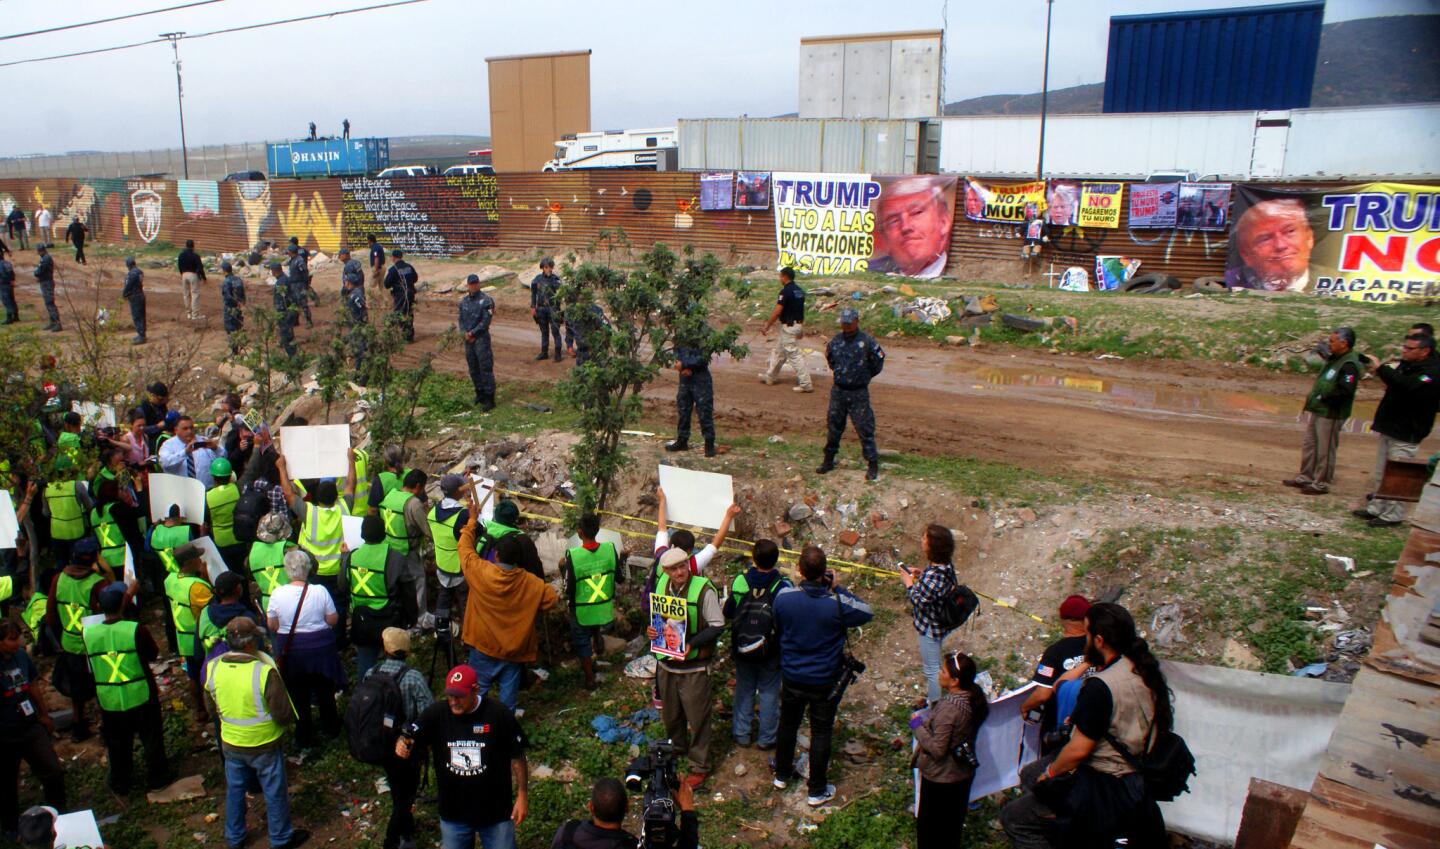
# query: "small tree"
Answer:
x=393 y=392
x=665 y=299
x=262 y=354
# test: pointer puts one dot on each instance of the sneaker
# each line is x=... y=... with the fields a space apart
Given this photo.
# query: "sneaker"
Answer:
x=543 y=355
x=678 y=445
x=765 y=747
x=709 y=449
x=816 y=801
x=803 y=389
x=1377 y=522
x=1312 y=489
x=826 y=467
x=1362 y=513
x=872 y=472
x=138 y=340
x=742 y=744
x=1298 y=483
x=766 y=379
x=778 y=783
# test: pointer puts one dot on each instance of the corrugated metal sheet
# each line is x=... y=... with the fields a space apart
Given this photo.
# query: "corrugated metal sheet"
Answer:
x=790 y=144
x=1261 y=57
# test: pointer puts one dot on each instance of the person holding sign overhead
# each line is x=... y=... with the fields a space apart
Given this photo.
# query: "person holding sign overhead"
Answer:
x=322 y=531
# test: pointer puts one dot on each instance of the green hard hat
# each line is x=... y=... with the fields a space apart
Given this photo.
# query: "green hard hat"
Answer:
x=220 y=468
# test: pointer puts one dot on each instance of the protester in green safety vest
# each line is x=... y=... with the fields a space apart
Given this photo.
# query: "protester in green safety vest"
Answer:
x=26 y=727
x=188 y=592
x=756 y=652
x=591 y=571
x=684 y=685
x=267 y=556
x=361 y=502
x=322 y=530
x=166 y=536
x=1326 y=409
x=120 y=654
x=67 y=441
x=378 y=590
x=74 y=595
x=107 y=535
x=227 y=602
x=446 y=520
x=390 y=478
x=403 y=512
x=41 y=639
x=220 y=501
x=505 y=522
x=254 y=709
x=67 y=499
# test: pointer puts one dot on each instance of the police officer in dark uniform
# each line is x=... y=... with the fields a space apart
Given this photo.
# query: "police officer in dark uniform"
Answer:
x=581 y=326
x=351 y=269
x=401 y=280
x=545 y=308
x=232 y=301
x=352 y=296
x=134 y=295
x=45 y=276
x=298 y=270
x=855 y=359
x=7 y=291
x=695 y=390
x=477 y=309
x=287 y=312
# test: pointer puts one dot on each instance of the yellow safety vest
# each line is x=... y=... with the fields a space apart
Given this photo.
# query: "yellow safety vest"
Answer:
x=115 y=663
x=323 y=534
x=221 y=502
x=107 y=535
x=67 y=517
x=392 y=511
x=72 y=602
x=447 y=548
x=267 y=568
x=238 y=690
x=361 y=498
x=693 y=591
x=177 y=590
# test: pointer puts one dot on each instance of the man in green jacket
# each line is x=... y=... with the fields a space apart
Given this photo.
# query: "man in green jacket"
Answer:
x=1326 y=409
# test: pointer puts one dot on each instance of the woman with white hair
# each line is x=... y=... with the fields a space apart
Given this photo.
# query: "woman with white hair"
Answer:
x=302 y=617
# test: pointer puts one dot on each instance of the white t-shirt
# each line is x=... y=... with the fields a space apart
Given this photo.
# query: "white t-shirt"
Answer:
x=318 y=605
x=702 y=557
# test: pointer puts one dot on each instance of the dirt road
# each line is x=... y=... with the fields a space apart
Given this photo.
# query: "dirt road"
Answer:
x=1179 y=426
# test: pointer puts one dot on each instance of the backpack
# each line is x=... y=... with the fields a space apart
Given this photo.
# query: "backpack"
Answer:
x=249 y=510
x=373 y=718
x=1166 y=767
x=753 y=634
x=956 y=606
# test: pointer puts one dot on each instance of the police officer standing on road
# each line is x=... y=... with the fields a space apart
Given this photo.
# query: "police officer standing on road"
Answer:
x=75 y=235
x=134 y=295
x=298 y=270
x=286 y=312
x=232 y=300
x=545 y=308
x=790 y=312
x=401 y=280
x=351 y=270
x=45 y=276
x=855 y=359
x=477 y=309
x=7 y=291
x=695 y=390
x=352 y=295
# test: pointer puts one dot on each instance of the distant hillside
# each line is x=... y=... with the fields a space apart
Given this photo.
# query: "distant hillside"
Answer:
x=1362 y=63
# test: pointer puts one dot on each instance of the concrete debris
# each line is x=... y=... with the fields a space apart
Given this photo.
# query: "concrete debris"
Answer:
x=849 y=538
x=1165 y=625
x=641 y=667
x=923 y=310
x=800 y=512
x=190 y=787
x=1239 y=656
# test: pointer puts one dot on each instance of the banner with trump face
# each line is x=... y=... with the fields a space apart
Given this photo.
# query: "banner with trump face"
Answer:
x=845 y=223
x=1370 y=242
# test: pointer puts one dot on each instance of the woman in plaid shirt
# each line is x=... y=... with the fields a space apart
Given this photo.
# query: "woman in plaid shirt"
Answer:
x=926 y=590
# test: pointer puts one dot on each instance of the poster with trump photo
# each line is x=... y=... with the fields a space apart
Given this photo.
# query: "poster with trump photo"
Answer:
x=844 y=223
x=1012 y=203
x=1375 y=242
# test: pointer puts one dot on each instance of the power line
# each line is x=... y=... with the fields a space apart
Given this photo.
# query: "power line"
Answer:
x=214 y=32
x=108 y=20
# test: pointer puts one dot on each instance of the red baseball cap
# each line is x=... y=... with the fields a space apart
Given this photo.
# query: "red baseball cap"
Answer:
x=1074 y=607
x=461 y=681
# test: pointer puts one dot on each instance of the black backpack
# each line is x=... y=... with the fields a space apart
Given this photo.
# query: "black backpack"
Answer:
x=373 y=718
x=249 y=510
x=1166 y=767
x=956 y=606
x=753 y=634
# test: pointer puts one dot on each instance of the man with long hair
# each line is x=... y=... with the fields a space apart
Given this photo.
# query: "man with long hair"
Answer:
x=1124 y=703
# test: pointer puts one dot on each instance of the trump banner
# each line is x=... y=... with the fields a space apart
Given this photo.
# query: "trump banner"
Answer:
x=1153 y=204
x=1012 y=203
x=844 y=223
x=1370 y=242
x=1100 y=204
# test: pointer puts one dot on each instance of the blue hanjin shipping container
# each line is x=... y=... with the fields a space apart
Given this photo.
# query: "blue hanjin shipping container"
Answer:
x=327 y=157
x=1257 y=57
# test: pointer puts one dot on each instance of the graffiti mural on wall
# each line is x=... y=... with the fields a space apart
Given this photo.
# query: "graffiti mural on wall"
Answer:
x=425 y=216
x=310 y=219
x=198 y=198
x=147 y=210
x=253 y=196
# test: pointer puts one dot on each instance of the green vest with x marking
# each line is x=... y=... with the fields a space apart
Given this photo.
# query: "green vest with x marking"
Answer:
x=107 y=535
x=163 y=539
x=267 y=568
x=72 y=602
x=115 y=662
x=594 y=584
x=367 y=576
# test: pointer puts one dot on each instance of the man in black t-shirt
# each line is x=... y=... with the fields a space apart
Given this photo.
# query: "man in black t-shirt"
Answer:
x=607 y=814
x=790 y=312
x=25 y=729
x=479 y=759
x=1060 y=657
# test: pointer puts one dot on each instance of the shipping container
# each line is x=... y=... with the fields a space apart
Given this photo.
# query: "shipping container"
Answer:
x=796 y=144
x=327 y=157
x=1258 y=57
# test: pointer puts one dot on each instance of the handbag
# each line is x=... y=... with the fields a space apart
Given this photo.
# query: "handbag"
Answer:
x=290 y=636
x=1166 y=766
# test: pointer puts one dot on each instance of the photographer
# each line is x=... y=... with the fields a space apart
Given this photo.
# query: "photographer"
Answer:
x=812 y=620
x=608 y=804
x=1092 y=791
x=187 y=454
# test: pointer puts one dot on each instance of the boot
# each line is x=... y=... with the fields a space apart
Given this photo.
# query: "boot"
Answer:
x=827 y=465
x=872 y=472
x=487 y=403
x=543 y=355
x=709 y=448
x=678 y=445
x=588 y=665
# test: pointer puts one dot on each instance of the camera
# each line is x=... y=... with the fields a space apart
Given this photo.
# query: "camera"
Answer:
x=655 y=771
x=1056 y=739
x=850 y=670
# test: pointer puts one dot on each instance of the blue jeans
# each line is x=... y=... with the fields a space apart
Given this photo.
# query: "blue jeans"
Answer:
x=930 y=664
x=365 y=657
x=504 y=674
x=460 y=835
x=245 y=772
x=583 y=638
x=751 y=677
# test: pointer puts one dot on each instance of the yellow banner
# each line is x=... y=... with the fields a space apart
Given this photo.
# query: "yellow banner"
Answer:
x=1100 y=204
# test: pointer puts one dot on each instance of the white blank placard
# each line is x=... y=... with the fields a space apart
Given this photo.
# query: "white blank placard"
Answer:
x=78 y=830
x=94 y=415
x=605 y=535
x=129 y=573
x=9 y=525
x=351 y=527
x=484 y=487
x=696 y=498
x=316 y=451
x=214 y=563
x=92 y=619
x=175 y=489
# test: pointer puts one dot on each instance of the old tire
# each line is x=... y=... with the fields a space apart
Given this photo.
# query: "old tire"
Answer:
x=1155 y=281
x=1211 y=283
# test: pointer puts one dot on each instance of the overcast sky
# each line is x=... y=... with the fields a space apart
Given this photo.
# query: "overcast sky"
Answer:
x=420 y=69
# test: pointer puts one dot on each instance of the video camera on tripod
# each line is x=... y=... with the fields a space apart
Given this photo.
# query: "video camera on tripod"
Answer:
x=656 y=772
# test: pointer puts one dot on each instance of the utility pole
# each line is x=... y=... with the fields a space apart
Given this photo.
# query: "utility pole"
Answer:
x=1044 y=92
x=180 y=92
